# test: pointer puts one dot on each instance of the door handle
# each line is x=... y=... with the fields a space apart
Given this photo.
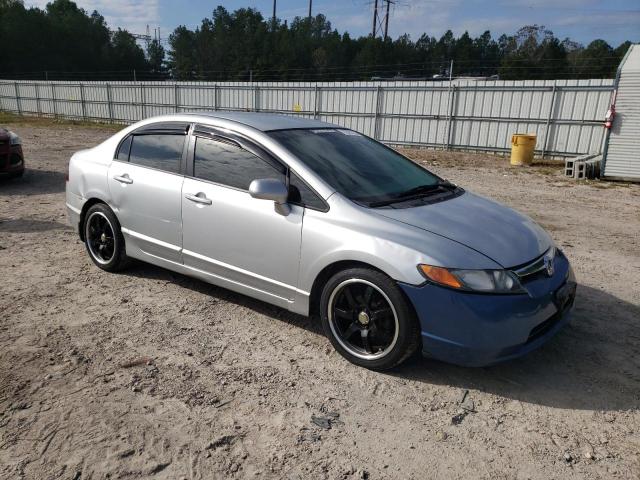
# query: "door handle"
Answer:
x=199 y=198
x=123 y=179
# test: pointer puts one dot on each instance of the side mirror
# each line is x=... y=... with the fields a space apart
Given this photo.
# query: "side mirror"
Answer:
x=274 y=190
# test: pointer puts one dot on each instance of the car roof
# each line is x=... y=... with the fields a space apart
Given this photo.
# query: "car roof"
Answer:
x=267 y=121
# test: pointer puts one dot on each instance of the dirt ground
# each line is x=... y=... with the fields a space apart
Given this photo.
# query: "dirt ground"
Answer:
x=152 y=374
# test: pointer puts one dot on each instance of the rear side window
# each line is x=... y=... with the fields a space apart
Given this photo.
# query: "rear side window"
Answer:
x=123 y=151
x=161 y=151
x=228 y=164
x=301 y=194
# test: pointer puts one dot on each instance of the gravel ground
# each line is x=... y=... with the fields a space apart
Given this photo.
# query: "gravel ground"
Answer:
x=152 y=374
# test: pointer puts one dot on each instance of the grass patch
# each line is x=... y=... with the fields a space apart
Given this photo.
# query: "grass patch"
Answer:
x=8 y=118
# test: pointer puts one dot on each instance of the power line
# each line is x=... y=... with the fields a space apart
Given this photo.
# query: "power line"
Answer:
x=362 y=72
x=613 y=59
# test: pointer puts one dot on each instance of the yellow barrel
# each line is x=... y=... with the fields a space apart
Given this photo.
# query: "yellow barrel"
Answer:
x=522 y=147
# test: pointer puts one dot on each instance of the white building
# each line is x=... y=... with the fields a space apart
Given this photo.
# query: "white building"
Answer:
x=621 y=155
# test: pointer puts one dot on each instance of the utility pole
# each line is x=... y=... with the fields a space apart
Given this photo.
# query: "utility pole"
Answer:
x=379 y=20
x=273 y=18
x=375 y=18
x=310 y=1
x=386 y=21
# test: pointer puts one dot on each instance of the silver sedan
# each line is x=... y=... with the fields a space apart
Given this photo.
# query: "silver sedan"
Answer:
x=322 y=220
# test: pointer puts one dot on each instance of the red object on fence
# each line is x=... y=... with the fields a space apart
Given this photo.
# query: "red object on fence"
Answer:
x=608 y=118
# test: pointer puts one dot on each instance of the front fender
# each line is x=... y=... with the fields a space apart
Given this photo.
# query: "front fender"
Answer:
x=392 y=247
x=350 y=233
x=393 y=264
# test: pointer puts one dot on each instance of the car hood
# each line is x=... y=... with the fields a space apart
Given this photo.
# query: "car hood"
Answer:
x=502 y=234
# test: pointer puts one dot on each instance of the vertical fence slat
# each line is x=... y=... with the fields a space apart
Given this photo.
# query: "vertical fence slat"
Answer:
x=316 y=98
x=450 y=119
x=54 y=100
x=38 y=105
x=547 y=126
x=82 y=102
x=109 y=104
x=378 y=108
x=18 y=106
x=143 y=100
x=256 y=98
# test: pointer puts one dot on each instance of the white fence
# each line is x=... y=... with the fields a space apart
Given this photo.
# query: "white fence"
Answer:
x=566 y=115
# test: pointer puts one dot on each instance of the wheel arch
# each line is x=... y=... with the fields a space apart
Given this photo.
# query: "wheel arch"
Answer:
x=326 y=273
x=83 y=213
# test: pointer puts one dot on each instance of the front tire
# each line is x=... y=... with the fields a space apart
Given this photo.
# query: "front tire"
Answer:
x=103 y=238
x=368 y=320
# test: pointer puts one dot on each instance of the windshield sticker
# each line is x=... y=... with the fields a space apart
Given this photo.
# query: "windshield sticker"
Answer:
x=324 y=130
x=349 y=132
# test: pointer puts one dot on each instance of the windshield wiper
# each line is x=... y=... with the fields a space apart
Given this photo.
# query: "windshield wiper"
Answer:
x=416 y=192
x=422 y=189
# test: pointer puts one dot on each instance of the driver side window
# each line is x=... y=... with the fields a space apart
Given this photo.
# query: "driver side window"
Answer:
x=226 y=163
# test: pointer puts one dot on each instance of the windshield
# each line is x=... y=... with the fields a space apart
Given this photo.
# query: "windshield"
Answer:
x=357 y=166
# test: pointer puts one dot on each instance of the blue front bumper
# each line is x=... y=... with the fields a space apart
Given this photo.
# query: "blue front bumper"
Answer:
x=472 y=329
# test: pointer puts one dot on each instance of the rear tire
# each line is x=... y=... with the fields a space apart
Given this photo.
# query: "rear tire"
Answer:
x=103 y=238
x=368 y=319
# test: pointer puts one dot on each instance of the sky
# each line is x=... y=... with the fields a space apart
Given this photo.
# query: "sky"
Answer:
x=582 y=20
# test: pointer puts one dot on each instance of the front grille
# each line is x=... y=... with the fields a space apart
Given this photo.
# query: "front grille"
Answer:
x=535 y=266
x=533 y=276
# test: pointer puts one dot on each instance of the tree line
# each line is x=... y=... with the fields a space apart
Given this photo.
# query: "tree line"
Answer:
x=242 y=45
x=65 y=40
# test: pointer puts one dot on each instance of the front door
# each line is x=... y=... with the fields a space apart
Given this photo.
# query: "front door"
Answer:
x=233 y=237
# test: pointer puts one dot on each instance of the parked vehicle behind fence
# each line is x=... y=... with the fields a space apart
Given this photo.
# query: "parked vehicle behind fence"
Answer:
x=319 y=219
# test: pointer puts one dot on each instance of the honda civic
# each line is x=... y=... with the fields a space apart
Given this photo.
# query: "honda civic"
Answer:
x=324 y=221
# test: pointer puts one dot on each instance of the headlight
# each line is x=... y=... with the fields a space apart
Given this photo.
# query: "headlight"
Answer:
x=487 y=281
x=15 y=139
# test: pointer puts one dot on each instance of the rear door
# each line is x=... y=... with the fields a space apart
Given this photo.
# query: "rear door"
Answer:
x=228 y=234
x=145 y=181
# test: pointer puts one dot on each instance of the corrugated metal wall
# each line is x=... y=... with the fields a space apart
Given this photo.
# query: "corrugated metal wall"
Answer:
x=464 y=114
x=622 y=159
